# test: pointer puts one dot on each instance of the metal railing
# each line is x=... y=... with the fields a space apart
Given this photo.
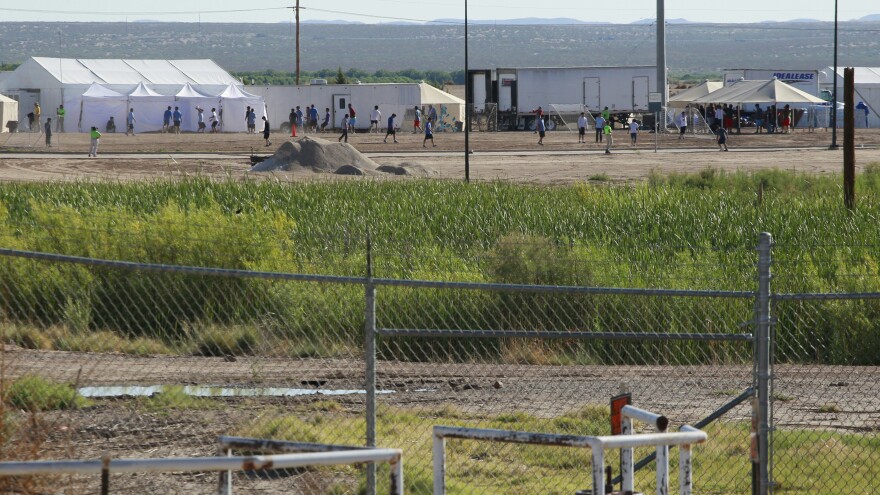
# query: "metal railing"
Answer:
x=598 y=444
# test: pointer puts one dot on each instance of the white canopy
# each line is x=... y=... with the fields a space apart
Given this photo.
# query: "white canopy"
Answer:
x=867 y=91
x=689 y=95
x=149 y=107
x=772 y=92
x=8 y=112
x=95 y=107
x=233 y=103
x=188 y=98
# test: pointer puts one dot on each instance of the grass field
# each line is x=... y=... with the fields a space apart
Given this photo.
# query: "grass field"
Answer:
x=695 y=231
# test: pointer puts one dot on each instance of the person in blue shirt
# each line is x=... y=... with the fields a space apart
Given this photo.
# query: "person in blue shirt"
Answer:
x=862 y=106
x=130 y=120
x=326 y=120
x=177 y=118
x=166 y=120
x=299 y=119
x=429 y=133
x=313 y=118
x=252 y=121
x=390 y=131
x=541 y=128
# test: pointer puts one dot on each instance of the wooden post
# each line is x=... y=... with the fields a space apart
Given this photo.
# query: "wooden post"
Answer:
x=849 y=141
x=297 y=42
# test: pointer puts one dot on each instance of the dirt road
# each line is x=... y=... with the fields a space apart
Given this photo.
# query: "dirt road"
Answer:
x=508 y=156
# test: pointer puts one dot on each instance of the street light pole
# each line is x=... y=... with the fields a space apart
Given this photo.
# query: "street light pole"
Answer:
x=297 y=42
x=834 y=90
x=467 y=102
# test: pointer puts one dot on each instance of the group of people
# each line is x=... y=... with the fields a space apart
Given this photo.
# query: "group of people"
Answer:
x=349 y=121
x=308 y=120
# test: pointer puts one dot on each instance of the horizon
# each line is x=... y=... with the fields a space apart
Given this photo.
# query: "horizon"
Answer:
x=440 y=11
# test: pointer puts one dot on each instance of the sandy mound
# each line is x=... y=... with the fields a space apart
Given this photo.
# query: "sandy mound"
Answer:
x=408 y=168
x=317 y=154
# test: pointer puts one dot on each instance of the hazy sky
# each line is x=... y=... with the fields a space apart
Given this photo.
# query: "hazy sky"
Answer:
x=373 y=11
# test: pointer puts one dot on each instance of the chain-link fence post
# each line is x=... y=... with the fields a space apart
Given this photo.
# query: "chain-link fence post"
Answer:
x=370 y=360
x=762 y=361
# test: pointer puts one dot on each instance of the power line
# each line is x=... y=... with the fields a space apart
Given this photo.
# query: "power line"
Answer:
x=177 y=12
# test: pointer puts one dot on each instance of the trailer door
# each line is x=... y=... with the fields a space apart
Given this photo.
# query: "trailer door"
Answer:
x=640 y=94
x=591 y=94
x=340 y=108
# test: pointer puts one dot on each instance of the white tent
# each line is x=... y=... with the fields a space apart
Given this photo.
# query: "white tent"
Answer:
x=233 y=103
x=95 y=107
x=8 y=113
x=188 y=98
x=867 y=91
x=689 y=95
x=53 y=81
x=771 y=92
x=149 y=107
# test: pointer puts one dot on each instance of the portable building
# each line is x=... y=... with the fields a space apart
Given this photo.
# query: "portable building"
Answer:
x=518 y=92
x=867 y=91
x=53 y=81
x=399 y=98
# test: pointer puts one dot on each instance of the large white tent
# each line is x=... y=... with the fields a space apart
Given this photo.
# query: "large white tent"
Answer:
x=233 y=103
x=149 y=107
x=52 y=81
x=8 y=112
x=773 y=92
x=867 y=91
x=687 y=96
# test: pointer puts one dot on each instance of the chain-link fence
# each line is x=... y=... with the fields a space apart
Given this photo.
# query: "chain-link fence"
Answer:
x=525 y=335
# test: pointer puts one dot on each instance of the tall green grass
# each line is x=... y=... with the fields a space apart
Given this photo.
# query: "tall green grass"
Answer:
x=688 y=231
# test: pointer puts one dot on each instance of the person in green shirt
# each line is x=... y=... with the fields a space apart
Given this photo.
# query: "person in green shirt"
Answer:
x=608 y=139
x=59 y=121
x=606 y=114
x=95 y=135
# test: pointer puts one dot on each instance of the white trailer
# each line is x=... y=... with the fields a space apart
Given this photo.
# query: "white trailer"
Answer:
x=518 y=92
x=390 y=97
x=806 y=80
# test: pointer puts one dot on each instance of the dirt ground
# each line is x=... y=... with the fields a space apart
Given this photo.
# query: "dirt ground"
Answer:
x=508 y=156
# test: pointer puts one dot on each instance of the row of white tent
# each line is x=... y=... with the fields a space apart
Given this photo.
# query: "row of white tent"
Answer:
x=98 y=103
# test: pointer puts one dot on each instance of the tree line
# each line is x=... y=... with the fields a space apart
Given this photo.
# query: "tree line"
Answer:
x=271 y=77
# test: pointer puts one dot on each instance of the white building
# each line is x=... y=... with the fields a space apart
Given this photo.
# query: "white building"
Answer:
x=399 y=98
x=53 y=81
x=867 y=91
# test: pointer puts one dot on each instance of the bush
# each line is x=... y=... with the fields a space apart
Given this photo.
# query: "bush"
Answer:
x=33 y=393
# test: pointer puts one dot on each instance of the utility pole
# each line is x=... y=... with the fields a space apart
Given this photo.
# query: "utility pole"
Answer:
x=296 y=19
x=834 y=89
x=467 y=102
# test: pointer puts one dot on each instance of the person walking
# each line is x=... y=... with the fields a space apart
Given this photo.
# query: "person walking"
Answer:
x=59 y=118
x=177 y=118
x=201 y=119
x=539 y=114
x=247 y=119
x=291 y=117
x=95 y=137
x=299 y=119
x=266 y=130
x=129 y=121
x=345 y=124
x=214 y=120
x=541 y=129
x=582 y=128
x=313 y=118
x=390 y=131
x=417 y=120
x=758 y=118
x=608 y=139
x=375 y=115
x=721 y=134
x=251 y=121
x=47 y=130
x=352 y=118
x=682 y=125
x=600 y=126
x=166 y=120
x=326 y=120
x=633 y=132
x=429 y=133
x=432 y=114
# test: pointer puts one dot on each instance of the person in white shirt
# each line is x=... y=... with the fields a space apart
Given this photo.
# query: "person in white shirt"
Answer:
x=582 y=128
x=375 y=116
x=682 y=125
x=633 y=132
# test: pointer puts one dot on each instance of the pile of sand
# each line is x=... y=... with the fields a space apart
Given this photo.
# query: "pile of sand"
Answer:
x=320 y=155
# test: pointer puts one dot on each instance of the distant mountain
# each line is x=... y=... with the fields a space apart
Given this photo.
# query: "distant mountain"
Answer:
x=524 y=21
x=318 y=21
x=654 y=20
x=869 y=18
